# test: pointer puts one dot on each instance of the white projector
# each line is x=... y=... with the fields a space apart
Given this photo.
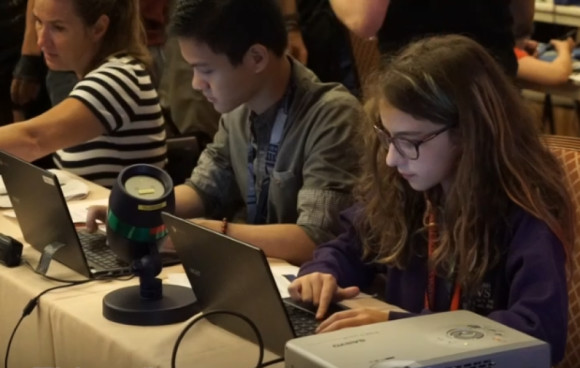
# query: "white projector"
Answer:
x=459 y=339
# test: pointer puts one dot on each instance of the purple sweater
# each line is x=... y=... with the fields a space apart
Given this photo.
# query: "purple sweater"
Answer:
x=526 y=291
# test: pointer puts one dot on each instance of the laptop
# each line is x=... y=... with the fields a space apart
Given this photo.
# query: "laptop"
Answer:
x=44 y=219
x=227 y=274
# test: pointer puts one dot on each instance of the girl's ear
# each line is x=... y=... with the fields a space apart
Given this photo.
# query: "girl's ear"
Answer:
x=257 y=58
x=100 y=27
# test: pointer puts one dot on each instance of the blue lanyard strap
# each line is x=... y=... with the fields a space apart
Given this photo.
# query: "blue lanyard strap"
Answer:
x=257 y=198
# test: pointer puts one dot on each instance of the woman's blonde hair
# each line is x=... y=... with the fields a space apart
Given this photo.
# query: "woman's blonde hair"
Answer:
x=125 y=33
x=502 y=164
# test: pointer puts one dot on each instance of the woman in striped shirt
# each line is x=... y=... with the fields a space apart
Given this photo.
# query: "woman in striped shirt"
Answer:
x=112 y=118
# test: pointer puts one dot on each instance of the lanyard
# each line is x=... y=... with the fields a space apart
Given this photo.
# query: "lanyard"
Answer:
x=261 y=164
x=430 y=292
x=256 y=203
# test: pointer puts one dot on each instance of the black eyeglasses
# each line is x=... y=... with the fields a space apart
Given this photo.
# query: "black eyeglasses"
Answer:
x=407 y=148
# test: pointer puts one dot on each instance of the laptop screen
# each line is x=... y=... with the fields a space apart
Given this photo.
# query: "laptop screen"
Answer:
x=41 y=210
x=227 y=274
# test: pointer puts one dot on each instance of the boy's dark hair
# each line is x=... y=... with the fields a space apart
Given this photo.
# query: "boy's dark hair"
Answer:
x=231 y=26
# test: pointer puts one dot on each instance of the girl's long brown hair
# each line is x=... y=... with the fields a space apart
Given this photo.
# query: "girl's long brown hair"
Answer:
x=502 y=163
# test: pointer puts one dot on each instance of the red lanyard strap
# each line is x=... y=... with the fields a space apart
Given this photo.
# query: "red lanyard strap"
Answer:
x=430 y=291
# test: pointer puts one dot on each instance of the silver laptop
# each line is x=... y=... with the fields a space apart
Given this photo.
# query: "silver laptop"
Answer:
x=44 y=220
x=227 y=274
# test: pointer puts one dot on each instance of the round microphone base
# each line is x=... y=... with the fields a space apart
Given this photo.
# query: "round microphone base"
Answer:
x=126 y=306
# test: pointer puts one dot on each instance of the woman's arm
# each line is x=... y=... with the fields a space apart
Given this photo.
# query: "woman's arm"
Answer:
x=65 y=125
x=362 y=17
x=27 y=76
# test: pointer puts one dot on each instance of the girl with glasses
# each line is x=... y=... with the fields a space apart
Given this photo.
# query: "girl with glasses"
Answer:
x=460 y=205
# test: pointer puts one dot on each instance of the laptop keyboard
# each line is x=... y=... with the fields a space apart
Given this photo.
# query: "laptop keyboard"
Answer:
x=302 y=315
x=303 y=322
x=98 y=252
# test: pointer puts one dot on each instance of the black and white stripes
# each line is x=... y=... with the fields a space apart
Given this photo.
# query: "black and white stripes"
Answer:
x=121 y=95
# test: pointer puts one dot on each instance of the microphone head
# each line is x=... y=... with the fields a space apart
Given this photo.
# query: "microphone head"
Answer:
x=134 y=224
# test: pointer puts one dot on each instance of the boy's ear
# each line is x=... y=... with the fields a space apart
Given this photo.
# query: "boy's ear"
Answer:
x=100 y=27
x=257 y=58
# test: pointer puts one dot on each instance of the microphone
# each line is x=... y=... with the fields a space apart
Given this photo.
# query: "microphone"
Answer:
x=135 y=232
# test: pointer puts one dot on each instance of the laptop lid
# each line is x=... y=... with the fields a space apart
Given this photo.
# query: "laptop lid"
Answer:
x=227 y=274
x=41 y=211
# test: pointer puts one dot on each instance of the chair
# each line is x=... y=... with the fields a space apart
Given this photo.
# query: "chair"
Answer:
x=564 y=96
x=182 y=155
x=567 y=151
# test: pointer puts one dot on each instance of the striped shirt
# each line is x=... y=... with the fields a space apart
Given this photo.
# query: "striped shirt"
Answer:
x=120 y=94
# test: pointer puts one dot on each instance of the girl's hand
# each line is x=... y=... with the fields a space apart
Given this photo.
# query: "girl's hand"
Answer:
x=351 y=318
x=320 y=289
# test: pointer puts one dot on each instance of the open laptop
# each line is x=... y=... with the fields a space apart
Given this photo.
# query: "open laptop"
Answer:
x=44 y=219
x=227 y=274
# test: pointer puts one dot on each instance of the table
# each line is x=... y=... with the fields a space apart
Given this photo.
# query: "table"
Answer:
x=67 y=328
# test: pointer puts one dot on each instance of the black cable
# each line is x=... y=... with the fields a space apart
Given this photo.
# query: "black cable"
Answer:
x=232 y=313
x=32 y=303
x=11 y=338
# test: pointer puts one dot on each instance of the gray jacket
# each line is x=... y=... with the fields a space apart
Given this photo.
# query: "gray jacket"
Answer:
x=315 y=168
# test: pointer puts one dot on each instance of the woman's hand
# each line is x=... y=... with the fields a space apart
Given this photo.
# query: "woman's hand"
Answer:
x=320 y=289
x=351 y=318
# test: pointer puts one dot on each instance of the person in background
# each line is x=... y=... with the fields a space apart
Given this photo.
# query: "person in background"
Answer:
x=296 y=46
x=155 y=16
x=187 y=111
x=397 y=22
x=28 y=69
x=320 y=41
x=12 y=19
x=533 y=69
x=112 y=118
x=283 y=154
x=460 y=204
